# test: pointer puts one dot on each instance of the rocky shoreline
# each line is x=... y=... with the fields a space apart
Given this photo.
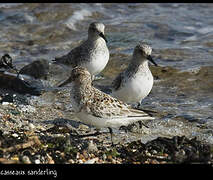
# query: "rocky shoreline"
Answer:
x=41 y=130
x=24 y=141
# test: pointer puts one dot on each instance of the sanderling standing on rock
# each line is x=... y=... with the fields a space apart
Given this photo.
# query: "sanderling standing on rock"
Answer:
x=94 y=107
x=136 y=81
x=92 y=54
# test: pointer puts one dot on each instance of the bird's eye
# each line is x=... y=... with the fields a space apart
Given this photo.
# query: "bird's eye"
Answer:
x=94 y=29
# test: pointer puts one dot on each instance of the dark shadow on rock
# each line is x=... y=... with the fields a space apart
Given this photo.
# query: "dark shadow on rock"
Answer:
x=62 y=122
x=15 y=84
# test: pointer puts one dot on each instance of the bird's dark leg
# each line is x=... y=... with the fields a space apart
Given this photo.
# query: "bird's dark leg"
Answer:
x=17 y=72
x=140 y=124
x=111 y=133
x=139 y=104
x=92 y=77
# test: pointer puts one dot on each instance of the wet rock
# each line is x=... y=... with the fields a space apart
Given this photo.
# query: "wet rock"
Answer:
x=7 y=98
x=26 y=160
x=91 y=161
x=38 y=69
x=37 y=161
x=31 y=126
x=92 y=147
x=13 y=83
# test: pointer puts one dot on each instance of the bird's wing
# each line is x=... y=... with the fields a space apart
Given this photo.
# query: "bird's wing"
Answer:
x=73 y=57
x=105 y=106
x=117 y=82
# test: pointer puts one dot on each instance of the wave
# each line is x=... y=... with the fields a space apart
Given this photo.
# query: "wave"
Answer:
x=77 y=16
x=8 y=5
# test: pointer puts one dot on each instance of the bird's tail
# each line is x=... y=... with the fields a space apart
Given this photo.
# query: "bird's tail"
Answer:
x=118 y=122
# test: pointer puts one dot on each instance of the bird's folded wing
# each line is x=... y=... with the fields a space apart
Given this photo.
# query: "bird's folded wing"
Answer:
x=105 y=106
x=116 y=84
x=72 y=57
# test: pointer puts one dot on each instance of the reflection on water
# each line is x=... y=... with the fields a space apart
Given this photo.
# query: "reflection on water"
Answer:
x=181 y=36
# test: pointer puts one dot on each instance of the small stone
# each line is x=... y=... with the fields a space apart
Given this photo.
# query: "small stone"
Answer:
x=50 y=159
x=26 y=160
x=153 y=161
x=15 y=135
x=92 y=147
x=83 y=127
x=154 y=152
x=15 y=158
x=37 y=161
x=104 y=157
x=91 y=161
x=71 y=161
x=6 y=103
x=31 y=126
x=80 y=161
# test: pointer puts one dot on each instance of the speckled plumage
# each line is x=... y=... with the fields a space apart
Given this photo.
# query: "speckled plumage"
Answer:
x=96 y=108
x=92 y=54
x=135 y=83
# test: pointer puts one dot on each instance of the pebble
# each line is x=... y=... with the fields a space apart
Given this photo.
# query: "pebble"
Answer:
x=37 y=161
x=15 y=158
x=83 y=127
x=92 y=147
x=6 y=103
x=91 y=161
x=104 y=156
x=15 y=135
x=50 y=159
x=31 y=126
x=26 y=160
x=80 y=161
x=71 y=161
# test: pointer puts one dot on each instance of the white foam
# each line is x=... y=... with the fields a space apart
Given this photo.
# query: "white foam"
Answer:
x=191 y=38
x=189 y=27
x=29 y=18
x=8 y=5
x=205 y=30
x=193 y=70
x=77 y=16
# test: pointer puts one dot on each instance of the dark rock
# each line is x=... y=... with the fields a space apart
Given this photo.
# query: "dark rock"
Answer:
x=38 y=69
x=15 y=84
x=7 y=98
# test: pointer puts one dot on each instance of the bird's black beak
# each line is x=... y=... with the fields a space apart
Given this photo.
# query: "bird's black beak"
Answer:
x=151 y=60
x=102 y=35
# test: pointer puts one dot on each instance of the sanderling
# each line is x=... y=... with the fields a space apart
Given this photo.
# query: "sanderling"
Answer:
x=92 y=54
x=97 y=108
x=136 y=81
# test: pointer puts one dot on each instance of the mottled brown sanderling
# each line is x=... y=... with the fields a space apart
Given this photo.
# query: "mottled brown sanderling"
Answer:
x=97 y=108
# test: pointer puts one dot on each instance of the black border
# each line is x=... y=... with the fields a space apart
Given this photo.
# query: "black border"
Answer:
x=71 y=171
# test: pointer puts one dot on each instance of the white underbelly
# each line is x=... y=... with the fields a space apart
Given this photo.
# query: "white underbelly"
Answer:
x=91 y=120
x=113 y=122
x=97 y=64
x=134 y=90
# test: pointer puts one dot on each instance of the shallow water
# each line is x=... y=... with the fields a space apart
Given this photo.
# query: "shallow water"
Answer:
x=181 y=36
